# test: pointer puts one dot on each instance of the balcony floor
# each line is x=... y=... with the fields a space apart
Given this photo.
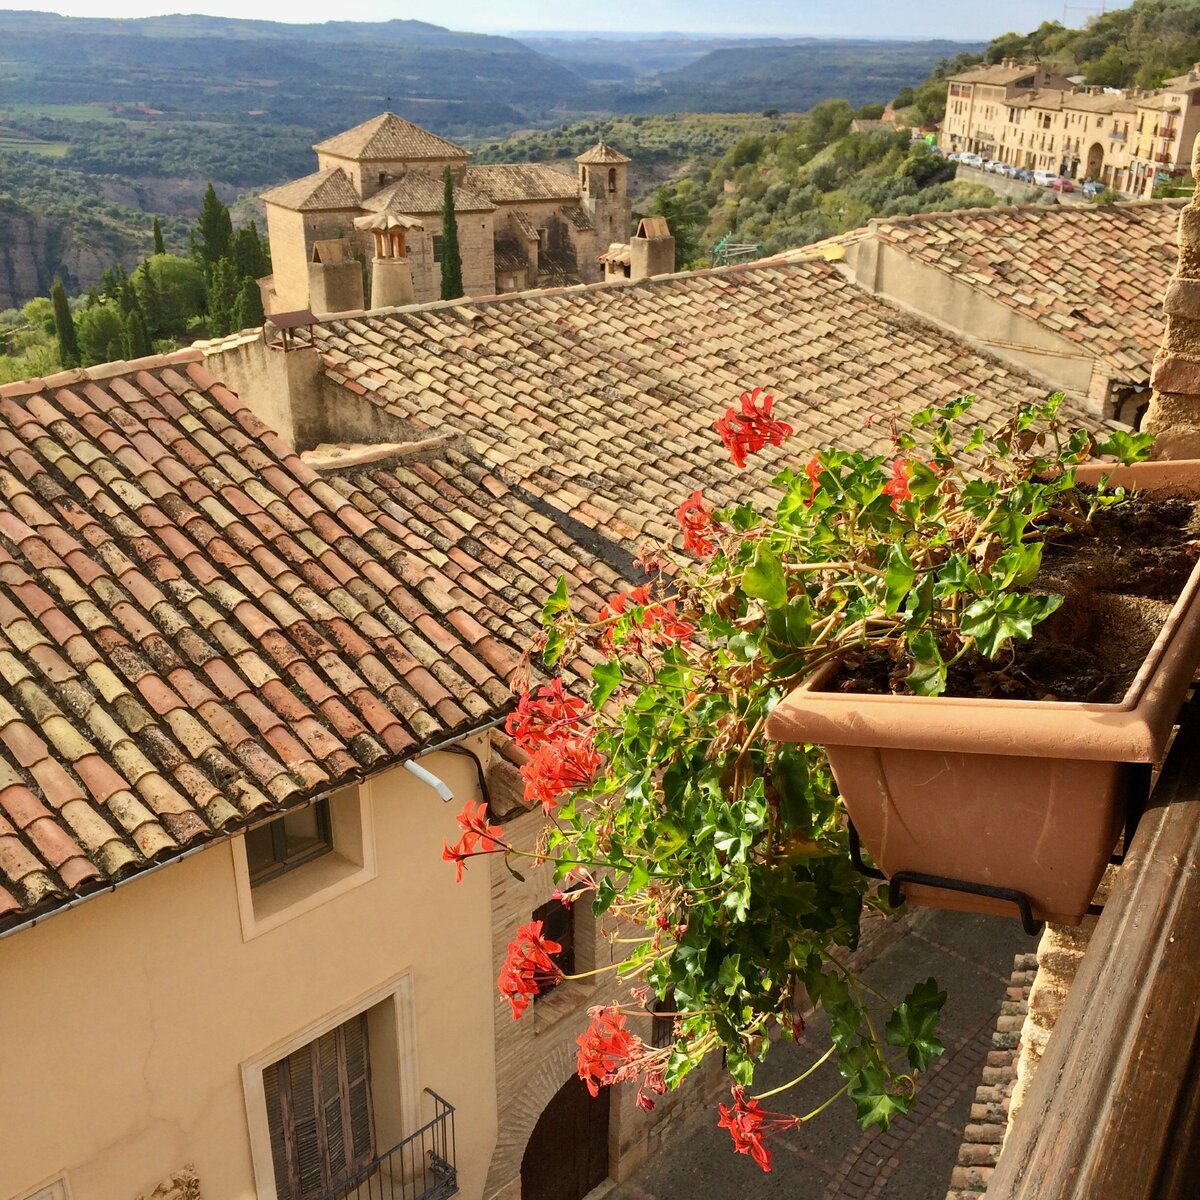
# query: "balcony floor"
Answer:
x=832 y=1159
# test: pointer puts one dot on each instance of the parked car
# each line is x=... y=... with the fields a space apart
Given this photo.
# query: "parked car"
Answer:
x=1044 y=178
x=971 y=160
x=953 y=156
x=1025 y=176
x=1063 y=184
x=1091 y=188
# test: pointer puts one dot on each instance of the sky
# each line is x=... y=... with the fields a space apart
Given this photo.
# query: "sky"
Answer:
x=959 y=19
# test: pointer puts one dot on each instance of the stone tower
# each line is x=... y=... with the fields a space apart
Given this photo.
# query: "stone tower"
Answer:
x=604 y=191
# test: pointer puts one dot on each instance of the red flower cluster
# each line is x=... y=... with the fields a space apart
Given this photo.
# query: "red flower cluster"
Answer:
x=527 y=967
x=897 y=486
x=812 y=469
x=749 y=1124
x=544 y=716
x=660 y=621
x=609 y=1053
x=479 y=837
x=558 y=767
x=697 y=524
x=748 y=431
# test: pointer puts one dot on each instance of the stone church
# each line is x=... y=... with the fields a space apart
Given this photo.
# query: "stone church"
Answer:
x=376 y=199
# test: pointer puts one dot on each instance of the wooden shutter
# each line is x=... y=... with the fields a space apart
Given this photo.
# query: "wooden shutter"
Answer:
x=319 y=1112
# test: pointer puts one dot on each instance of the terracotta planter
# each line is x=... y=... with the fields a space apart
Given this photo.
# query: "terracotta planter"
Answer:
x=1022 y=795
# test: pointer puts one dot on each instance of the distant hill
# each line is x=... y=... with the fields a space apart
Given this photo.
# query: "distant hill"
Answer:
x=631 y=57
x=328 y=76
x=791 y=77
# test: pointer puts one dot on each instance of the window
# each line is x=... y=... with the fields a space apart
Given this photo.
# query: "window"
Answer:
x=55 y=1190
x=662 y=1029
x=558 y=925
x=437 y=247
x=612 y=179
x=288 y=842
x=319 y=1112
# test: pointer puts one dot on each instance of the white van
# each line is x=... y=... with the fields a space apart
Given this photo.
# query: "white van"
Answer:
x=1044 y=178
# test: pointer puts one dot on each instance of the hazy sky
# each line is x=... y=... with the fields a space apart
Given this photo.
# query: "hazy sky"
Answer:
x=964 y=19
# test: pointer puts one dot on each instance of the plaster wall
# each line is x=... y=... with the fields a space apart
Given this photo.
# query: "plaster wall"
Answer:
x=887 y=271
x=128 y=1019
x=292 y=235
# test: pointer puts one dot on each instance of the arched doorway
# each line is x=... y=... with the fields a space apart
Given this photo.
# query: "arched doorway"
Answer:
x=1095 y=161
x=567 y=1152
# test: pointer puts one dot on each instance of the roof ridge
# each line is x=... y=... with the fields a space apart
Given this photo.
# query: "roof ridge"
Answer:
x=100 y=371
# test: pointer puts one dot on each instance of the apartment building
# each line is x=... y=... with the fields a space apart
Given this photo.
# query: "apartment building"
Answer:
x=1026 y=117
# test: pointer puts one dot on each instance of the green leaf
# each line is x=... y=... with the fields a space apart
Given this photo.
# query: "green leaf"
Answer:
x=764 y=578
x=730 y=975
x=928 y=674
x=552 y=651
x=993 y=620
x=922 y=480
x=789 y=778
x=899 y=578
x=1017 y=566
x=557 y=602
x=1127 y=447
x=913 y=1022
x=875 y=1104
x=606 y=676
x=788 y=627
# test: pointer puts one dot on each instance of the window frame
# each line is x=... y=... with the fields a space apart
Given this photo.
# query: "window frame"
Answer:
x=439 y=240
x=558 y=925
x=281 y=862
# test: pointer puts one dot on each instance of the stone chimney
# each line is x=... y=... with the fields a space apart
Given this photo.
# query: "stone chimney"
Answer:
x=391 y=274
x=1174 y=413
x=651 y=249
x=335 y=281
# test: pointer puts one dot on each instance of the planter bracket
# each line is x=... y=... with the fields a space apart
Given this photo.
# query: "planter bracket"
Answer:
x=1024 y=908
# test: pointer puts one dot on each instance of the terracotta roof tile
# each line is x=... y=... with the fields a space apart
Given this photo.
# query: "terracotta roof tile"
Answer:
x=1097 y=273
x=175 y=656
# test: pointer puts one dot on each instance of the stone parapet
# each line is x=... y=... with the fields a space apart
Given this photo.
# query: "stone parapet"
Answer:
x=1174 y=413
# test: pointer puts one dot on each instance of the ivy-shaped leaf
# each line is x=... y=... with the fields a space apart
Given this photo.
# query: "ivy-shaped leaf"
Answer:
x=764 y=578
x=913 y=1023
x=606 y=678
x=993 y=620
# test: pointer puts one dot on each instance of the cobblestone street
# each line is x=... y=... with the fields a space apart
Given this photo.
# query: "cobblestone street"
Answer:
x=832 y=1159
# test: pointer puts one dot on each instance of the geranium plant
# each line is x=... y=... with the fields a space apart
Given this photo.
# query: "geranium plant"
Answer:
x=728 y=854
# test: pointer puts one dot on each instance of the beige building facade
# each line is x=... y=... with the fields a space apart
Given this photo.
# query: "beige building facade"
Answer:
x=1023 y=116
x=519 y=225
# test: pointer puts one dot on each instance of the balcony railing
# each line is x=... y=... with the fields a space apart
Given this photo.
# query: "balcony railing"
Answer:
x=419 y=1168
x=1113 y=1112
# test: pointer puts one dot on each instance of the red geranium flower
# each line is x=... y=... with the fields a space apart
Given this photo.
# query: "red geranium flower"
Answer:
x=749 y=1123
x=558 y=767
x=748 y=431
x=897 y=486
x=479 y=837
x=528 y=966
x=813 y=470
x=697 y=524
x=544 y=716
x=605 y=1046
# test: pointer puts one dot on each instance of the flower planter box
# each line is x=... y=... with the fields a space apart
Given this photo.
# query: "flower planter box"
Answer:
x=1022 y=795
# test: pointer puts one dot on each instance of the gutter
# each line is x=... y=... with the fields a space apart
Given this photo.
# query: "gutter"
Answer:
x=142 y=872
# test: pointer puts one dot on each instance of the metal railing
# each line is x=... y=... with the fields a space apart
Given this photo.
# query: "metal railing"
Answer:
x=421 y=1167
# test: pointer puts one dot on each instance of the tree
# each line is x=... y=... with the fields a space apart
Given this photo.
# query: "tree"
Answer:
x=148 y=300
x=248 y=312
x=686 y=215
x=100 y=329
x=214 y=229
x=160 y=246
x=64 y=326
x=222 y=297
x=137 y=339
x=248 y=254
x=179 y=284
x=452 y=284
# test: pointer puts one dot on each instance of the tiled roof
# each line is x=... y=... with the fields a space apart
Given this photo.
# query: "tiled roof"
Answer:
x=578 y=217
x=508 y=183
x=602 y=398
x=1182 y=83
x=618 y=253
x=997 y=74
x=602 y=152
x=389 y=137
x=1101 y=102
x=1094 y=274
x=523 y=225
x=423 y=194
x=322 y=191
x=197 y=630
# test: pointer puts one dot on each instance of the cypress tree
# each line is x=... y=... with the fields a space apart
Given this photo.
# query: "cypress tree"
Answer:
x=452 y=284
x=214 y=228
x=248 y=312
x=222 y=298
x=64 y=326
x=149 y=300
x=160 y=247
x=247 y=253
x=137 y=339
